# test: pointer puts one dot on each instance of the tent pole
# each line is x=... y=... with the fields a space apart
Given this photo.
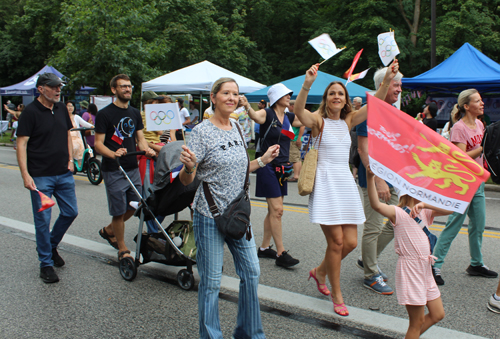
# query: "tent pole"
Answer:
x=1 y=117
x=199 y=112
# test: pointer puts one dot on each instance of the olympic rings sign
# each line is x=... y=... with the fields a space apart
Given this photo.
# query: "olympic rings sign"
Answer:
x=388 y=47
x=162 y=117
x=323 y=44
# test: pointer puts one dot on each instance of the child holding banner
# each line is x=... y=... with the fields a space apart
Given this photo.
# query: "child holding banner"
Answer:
x=467 y=134
x=415 y=286
x=335 y=203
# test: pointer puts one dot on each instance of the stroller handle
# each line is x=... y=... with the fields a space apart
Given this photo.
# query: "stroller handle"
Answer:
x=83 y=129
x=117 y=159
x=129 y=154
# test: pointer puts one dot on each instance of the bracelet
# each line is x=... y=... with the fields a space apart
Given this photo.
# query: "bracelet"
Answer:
x=261 y=163
x=189 y=172
x=382 y=84
x=305 y=88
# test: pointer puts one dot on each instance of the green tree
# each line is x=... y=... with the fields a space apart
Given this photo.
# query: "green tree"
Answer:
x=27 y=38
x=102 y=39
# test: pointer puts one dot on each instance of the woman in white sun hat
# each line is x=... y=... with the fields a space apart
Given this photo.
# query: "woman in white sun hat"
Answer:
x=275 y=128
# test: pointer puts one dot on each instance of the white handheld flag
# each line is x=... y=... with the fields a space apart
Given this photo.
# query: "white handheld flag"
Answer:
x=387 y=47
x=160 y=117
x=324 y=45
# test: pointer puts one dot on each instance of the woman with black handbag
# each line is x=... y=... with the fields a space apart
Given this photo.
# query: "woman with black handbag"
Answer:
x=216 y=153
x=275 y=128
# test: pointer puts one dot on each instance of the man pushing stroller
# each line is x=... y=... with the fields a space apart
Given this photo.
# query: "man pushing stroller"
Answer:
x=118 y=130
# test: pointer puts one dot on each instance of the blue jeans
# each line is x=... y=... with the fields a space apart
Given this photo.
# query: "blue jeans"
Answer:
x=63 y=189
x=477 y=222
x=209 y=259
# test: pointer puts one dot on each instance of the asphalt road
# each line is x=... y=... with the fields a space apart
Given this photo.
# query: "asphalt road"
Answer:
x=93 y=301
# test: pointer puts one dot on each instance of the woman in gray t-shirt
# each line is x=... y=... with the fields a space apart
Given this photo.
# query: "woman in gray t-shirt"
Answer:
x=216 y=154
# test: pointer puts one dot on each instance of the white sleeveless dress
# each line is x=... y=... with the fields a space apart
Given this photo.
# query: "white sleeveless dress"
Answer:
x=335 y=198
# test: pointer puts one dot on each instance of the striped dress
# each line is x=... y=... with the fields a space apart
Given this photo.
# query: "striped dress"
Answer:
x=335 y=198
x=415 y=284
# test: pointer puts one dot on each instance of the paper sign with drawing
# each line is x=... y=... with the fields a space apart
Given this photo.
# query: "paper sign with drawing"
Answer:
x=387 y=47
x=324 y=45
x=160 y=117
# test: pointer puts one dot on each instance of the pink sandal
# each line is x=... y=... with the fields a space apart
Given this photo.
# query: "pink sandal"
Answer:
x=321 y=287
x=340 y=309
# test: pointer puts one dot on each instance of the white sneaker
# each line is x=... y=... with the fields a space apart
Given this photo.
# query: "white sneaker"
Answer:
x=494 y=305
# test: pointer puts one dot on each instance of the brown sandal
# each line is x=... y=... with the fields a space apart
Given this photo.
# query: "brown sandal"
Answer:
x=107 y=237
x=121 y=255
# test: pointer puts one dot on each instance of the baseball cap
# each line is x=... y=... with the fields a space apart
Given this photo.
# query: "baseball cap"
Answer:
x=49 y=79
x=277 y=92
x=148 y=95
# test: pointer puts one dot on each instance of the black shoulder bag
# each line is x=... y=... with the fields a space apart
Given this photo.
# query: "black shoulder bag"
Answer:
x=235 y=221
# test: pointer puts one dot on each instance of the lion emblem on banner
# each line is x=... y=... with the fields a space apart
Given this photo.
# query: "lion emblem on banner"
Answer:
x=435 y=170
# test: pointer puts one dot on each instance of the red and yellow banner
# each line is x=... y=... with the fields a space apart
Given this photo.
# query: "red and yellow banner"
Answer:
x=419 y=161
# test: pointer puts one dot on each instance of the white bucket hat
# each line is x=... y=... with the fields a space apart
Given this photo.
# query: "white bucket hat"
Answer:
x=277 y=92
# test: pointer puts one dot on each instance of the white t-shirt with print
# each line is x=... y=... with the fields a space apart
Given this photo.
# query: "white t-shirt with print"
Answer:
x=184 y=113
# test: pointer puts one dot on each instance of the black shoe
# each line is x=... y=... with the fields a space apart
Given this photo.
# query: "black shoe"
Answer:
x=267 y=253
x=286 y=260
x=48 y=275
x=482 y=271
x=58 y=261
x=436 y=272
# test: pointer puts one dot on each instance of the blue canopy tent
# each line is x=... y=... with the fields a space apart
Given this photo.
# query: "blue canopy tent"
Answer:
x=317 y=89
x=27 y=88
x=466 y=68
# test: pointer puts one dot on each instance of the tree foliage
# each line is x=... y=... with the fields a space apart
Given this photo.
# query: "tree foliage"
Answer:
x=91 y=40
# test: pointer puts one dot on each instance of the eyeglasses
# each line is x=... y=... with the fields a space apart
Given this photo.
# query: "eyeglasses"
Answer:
x=54 y=87
x=125 y=86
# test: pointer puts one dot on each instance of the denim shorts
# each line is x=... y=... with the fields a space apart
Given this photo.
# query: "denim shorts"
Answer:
x=119 y=192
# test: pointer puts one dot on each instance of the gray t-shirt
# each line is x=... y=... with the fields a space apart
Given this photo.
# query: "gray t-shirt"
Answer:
x=222 y=164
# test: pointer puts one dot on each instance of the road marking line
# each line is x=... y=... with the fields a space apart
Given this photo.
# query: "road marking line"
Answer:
x=301 y=210
x=11 y=167
x=356 y=315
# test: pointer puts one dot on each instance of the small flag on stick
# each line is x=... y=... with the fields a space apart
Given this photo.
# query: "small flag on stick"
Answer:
x=324 y=45
x=358 y=76
x=387 y=47
x=351 y=69
x=46 y=202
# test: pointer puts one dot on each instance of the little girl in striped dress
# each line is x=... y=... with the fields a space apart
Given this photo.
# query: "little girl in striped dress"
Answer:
x=415 y=285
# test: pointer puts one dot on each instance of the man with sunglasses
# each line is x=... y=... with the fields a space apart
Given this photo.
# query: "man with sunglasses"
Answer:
x=44 y=154
x=118 y=130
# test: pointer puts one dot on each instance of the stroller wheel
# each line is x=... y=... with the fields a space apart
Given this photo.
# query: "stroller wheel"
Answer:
x=185 y=279
x=128 y=269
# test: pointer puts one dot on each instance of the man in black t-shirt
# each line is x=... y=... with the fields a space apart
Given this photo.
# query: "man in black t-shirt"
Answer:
x=118 y=127
x=44 y=154
x=430 y=116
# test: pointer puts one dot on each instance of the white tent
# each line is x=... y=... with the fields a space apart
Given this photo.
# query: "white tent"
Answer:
x=198 y=79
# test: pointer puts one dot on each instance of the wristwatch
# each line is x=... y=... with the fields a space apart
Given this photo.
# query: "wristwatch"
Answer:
x=261 y=163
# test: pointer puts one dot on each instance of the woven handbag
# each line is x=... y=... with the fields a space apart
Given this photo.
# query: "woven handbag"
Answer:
x=308 y=170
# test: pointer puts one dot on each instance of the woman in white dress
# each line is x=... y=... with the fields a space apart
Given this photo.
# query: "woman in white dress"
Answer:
x=335 y=203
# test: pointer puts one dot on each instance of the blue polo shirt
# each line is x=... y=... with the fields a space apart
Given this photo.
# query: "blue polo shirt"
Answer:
x=362 y=131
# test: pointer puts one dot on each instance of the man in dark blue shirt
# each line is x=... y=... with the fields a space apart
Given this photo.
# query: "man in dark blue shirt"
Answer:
x=376 y=234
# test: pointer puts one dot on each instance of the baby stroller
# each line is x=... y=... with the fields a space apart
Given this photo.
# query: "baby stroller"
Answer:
x=175 y=245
